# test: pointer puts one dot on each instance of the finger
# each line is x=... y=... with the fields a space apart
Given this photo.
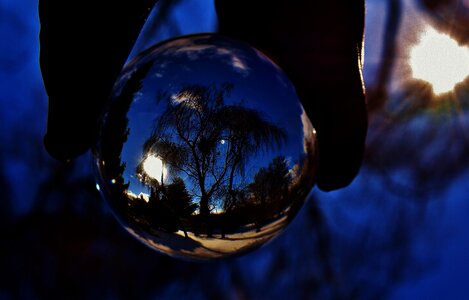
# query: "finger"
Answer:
x=318 y=45
x=84 y=45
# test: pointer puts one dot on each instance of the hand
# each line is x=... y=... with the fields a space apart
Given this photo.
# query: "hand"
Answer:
x=317 y=45
x=84 y=45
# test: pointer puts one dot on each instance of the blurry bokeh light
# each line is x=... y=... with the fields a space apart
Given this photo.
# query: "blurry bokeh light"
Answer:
x=439 y=60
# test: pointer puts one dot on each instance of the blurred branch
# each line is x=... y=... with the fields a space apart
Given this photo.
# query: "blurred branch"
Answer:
x=377 y=95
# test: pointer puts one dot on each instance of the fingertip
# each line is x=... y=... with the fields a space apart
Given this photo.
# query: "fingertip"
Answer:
x=342 y=149
x=339 y=175
x=63 y=148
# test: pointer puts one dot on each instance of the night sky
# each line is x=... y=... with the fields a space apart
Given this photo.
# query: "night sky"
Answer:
x=258 y=84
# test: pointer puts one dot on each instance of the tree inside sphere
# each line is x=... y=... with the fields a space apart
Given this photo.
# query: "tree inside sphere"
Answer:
x=204 y=150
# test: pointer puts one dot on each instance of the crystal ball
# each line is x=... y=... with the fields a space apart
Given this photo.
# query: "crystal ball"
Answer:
x=204 y=150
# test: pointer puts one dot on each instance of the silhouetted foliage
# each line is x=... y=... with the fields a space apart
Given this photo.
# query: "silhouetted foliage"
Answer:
x=270 y=189
x=170 y=206
x=115 y=131
x=200 y=136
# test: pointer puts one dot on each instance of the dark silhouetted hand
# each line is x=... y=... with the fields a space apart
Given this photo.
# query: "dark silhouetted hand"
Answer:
x=317 y=43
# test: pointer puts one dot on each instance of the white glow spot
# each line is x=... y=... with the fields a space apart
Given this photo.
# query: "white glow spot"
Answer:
x=154 y=168
x=439 y=60
x=98 y=187
x=222 y=142
x=145 y=197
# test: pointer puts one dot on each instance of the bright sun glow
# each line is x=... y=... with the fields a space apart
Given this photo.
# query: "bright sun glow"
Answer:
x=439 y=60
x=154 y=168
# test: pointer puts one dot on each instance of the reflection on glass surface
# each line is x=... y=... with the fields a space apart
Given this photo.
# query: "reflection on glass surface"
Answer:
x=208 y=147
x=153 y=167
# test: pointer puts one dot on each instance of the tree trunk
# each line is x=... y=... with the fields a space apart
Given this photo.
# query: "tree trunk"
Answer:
x=204 y=211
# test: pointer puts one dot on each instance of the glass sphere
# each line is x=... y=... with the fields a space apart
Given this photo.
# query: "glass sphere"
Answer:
x=204 y=150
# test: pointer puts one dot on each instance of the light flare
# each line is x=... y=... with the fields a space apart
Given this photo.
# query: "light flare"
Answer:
x=154 y=167
x=439 y=60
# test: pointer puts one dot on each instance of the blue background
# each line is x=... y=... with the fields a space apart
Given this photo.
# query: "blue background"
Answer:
x=392 y=234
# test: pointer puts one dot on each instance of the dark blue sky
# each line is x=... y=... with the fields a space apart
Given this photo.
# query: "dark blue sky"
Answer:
x=258 y=85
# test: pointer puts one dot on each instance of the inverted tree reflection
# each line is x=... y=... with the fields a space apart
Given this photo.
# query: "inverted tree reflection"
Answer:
x=208 y=141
